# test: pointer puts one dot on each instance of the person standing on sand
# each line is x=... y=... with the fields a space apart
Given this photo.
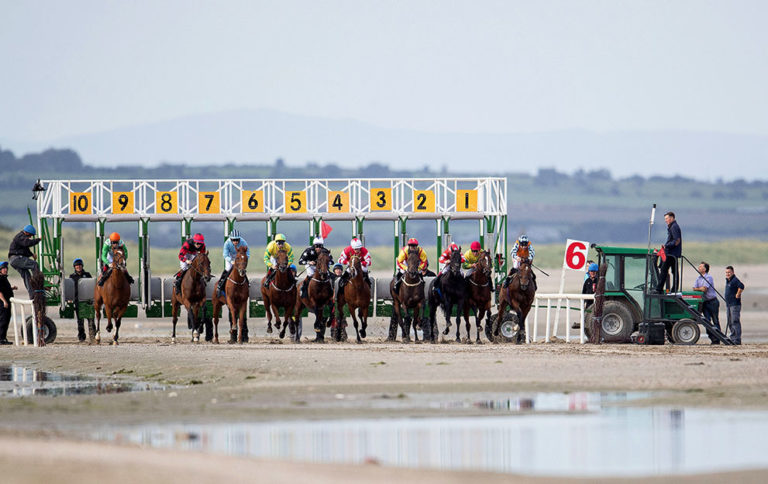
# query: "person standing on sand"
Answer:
x=733 y=289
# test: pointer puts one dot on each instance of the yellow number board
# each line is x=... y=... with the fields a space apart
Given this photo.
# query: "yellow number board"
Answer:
x=166 y=202
x=122 y=203
x=466 y=200
x=208 y=202
x=80 y=203
x=338 y=202
x=423 y=201
x=253 y=201
x=295 y=202
x=381 y=199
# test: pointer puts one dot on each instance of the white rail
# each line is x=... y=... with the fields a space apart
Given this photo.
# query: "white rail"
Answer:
x=551 y=330
x=21 y=304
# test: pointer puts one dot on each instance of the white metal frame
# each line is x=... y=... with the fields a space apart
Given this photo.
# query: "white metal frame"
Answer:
x=22 y=303
x=551 y=330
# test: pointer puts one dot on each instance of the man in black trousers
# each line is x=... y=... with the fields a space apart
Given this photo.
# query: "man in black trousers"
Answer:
x=673 y=248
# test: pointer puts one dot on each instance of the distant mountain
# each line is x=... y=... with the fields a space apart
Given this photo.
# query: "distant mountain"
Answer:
x=261 y=136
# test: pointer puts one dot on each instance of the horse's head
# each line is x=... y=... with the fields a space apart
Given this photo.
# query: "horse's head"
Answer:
x=413 y=261
x=241 y=260
x=322 y=264
x=455 y=262
x=483 y=263
x=524 y=274
x=355 y=265
x=282 y=260
x=202 y=265
x=118 y=259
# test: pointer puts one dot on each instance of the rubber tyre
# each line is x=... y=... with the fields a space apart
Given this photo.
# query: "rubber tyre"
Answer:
x=49 y=330
x=507 y=322
x=618 y=323
x=686 y=332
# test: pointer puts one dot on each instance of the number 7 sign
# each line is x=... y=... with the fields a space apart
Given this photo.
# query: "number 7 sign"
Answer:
x=575 y=255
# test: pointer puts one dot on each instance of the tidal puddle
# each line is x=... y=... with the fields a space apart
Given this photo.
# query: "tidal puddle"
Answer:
x=21 y=381
x=598 y=439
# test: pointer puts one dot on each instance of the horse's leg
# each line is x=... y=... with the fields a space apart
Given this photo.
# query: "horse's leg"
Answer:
x=394 y=321
x=118 y=319
x=194 y=309
x=363 y=314
x=319 y=324
x=242 y=329
x=405 y=325
x=234 y=328
x=482 y=312
x=295 y=320
x=268 y=312
x=175 y=315
x=354 y=322
x=108 y=312
x=97 y=303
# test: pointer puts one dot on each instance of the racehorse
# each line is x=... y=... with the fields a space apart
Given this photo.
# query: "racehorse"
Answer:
x=319 y=296
x=410 y=296
x=236 y=291
x=113 y=296
x=281 y=293
x=356 y=295
x=192 y=295
x=453 y=292
x=519 y=297
x=479 y=295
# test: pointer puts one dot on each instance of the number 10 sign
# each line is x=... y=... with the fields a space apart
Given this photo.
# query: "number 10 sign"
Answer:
x=575 y=255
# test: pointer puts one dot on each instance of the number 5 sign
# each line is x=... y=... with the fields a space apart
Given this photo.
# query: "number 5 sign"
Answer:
x=575 y=255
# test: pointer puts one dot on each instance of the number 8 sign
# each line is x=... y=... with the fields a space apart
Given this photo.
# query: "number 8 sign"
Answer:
x=575 y=255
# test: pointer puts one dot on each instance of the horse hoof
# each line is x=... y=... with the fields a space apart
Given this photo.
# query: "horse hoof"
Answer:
x=114 y=343
x=109 y=328
x=390 y=340
x=269 y=329
x=173 y=340
x=445 y=331
x=362 y=333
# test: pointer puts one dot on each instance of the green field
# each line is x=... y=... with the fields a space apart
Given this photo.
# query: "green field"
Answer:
x=79 y=243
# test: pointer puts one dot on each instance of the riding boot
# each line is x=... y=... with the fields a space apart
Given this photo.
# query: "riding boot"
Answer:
x=177 y=284
x=398 y=279
x=223 y=280
x=368 y=279
x=105 y=276
x=129 y=278
x=343 y=280
x=304 y=287
x=268 y=279
x=509 y=277
x=535 y=286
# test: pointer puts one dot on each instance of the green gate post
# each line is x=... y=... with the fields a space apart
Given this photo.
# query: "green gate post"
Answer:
x=271 y=229
x=186 y=229
x=359 y=227
x=144 y=270
x=99 y=242
x=229 y=226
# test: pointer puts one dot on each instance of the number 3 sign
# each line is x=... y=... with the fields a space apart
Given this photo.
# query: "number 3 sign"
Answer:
x=575 y=255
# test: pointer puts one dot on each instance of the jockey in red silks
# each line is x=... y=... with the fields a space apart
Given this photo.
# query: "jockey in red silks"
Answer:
x=355 y=248
x=189 y=249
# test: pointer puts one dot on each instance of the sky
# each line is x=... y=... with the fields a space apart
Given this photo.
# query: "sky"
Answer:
x=77 y=67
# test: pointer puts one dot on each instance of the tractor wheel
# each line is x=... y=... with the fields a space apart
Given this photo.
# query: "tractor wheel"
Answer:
x=509 y=327
x=617 y=326
x=686 y=332
x=49 y=330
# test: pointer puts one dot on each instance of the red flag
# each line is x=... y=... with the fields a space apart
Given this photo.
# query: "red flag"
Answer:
x=325 y=229
x=662 y=254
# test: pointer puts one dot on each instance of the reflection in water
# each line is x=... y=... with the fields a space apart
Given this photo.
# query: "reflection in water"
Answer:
x=612 y=441
x=20 y=381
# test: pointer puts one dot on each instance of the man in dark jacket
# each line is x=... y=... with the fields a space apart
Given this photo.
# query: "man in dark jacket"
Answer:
x=6 y=293
x=733 y=289
x=79 y=273
x=21 y=257
x=673 y=248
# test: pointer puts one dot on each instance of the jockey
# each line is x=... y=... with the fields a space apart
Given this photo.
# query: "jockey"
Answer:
x=234 y=242
x=309 y=258
x=269 y=256
x=402 y=261
x=470 y=259
x=522 y=250
x=355 y=248
x=444 y=262
x=107 y=249
x=189 y=249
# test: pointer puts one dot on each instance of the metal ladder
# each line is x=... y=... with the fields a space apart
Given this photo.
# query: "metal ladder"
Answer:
x=697 y=316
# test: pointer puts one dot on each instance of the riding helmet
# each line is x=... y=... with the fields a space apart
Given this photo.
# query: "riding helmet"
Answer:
x=337 y=266
x=318 y=241
x=475 y=246
x=77 y=261
x=3 y=264
x=279 y=238
x=453 y=247
x=356 y=243
x=523 y=239
x=413 y=241
x=30 y=229
x=235 y=234
x=593 y=267
x=199 y=238
x=114 y=237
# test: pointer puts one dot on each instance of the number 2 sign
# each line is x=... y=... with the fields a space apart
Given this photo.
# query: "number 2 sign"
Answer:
x=575 y=255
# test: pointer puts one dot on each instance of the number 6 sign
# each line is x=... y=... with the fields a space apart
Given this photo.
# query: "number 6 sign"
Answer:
x=575 y=255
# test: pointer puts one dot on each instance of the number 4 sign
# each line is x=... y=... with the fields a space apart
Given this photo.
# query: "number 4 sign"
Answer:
x=575 y=255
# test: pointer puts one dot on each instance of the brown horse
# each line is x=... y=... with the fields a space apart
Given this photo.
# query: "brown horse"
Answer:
x=356 y=295
x=519 y=296
x=319 y=296
x=192 y=295
x=281 y=293
x=113 y=296
x=236 y=291
x=479 y=294
x=409 y=296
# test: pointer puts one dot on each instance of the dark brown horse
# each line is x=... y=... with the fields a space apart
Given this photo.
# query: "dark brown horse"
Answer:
x=319 y=296
x=479 y=296
x=453 y=292
x=281 y=293
x=192 y=295
x=518 y=296
x=356 y=295
x=236 y=290
x=113 y=296
x=409 y=296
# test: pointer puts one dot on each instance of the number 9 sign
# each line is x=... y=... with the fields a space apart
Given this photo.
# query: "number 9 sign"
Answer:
x=575 y=255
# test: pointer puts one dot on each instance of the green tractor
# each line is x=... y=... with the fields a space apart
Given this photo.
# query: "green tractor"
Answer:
x=631 y=275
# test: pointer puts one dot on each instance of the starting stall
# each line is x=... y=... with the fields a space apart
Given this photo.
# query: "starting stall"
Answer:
x=269 y=201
